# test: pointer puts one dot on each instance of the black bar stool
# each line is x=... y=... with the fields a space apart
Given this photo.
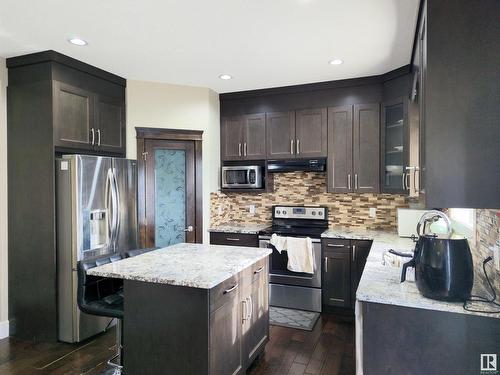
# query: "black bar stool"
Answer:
x=102 y=296
x=135 y=252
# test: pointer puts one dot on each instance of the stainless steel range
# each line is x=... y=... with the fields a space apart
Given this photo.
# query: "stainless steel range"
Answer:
x=294 y=289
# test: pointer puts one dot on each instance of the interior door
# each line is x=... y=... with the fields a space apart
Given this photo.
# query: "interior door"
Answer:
x=169 y=192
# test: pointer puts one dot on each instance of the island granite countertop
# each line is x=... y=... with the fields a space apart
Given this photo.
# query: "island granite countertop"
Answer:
x=381 y=283
x=191 y=265
x=238 y=228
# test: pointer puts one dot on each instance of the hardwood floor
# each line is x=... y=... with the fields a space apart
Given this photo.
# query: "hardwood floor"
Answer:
x=327 y=350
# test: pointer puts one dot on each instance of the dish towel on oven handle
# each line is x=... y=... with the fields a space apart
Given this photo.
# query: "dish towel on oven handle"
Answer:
x=299 y=251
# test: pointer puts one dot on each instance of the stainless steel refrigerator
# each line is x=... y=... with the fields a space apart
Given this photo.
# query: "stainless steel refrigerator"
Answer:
x=96 y=215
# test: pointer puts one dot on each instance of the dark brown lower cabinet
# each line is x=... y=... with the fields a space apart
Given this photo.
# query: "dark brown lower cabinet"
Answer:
x=234 y=239
x=170 y=329
x=343 y=264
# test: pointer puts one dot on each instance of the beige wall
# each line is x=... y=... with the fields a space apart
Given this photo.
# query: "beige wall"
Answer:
x=3 y=200
x=161 y=105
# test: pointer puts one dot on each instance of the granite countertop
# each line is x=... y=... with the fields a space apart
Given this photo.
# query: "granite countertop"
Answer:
x=239 y=228
x=381 y=283
x=192 y=265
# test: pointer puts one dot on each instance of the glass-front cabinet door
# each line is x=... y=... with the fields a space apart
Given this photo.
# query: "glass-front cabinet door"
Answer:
x=394 y=150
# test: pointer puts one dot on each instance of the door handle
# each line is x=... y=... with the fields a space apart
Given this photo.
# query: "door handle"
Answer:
x=245 y=149
x=98 y=137
x=334 y=245
x=232 y=239
x=326 y=264
x=189 y=229
x=244 y=312
x=250 y=300
x=259 y=270
x=92 y=134
x=403 y=180
x=353 y=252
x=239 y=149
x=298 y=146
x=349 y=181
x=356 y=181
x=291 y=146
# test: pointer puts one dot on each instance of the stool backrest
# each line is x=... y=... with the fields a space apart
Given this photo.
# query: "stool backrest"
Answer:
x=92 y=288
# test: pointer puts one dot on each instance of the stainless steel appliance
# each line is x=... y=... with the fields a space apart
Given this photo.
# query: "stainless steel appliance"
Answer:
x=96 y=215
x=292 y=165
x=443 y=265
x=242 y=177
x=294 y=289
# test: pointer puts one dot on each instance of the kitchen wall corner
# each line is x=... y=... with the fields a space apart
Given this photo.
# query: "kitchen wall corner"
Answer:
x=4 y=324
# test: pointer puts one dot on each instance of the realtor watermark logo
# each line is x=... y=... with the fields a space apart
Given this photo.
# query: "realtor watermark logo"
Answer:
x=488 y=363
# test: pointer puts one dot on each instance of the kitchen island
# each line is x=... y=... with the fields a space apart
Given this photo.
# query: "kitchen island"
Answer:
x=193 y=309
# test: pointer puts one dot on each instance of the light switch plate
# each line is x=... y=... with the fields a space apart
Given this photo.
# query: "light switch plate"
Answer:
x=373 y=212
x=220 y=211
x=251 y=209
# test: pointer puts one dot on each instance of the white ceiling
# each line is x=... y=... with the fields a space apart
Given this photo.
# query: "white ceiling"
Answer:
x=261 y=43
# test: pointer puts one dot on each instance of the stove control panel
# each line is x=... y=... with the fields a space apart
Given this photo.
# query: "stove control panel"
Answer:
x=300 y=212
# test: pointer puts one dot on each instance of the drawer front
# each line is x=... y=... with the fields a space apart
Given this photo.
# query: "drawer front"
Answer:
x=336 y=245
x=255 y=273
x=234 y=239
x=224 y=292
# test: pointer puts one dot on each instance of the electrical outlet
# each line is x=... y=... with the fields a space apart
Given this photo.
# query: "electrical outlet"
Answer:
x=496 y=257
x=220 y=211
x=373 y=212
x=251 y=209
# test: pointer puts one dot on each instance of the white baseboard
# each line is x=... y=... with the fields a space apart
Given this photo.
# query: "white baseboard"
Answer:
x=4 y=329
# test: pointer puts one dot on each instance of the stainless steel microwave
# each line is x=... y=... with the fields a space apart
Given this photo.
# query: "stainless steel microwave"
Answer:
x=243 y=177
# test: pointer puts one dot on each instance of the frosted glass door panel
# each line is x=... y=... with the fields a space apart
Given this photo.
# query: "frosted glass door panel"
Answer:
x=170 y=197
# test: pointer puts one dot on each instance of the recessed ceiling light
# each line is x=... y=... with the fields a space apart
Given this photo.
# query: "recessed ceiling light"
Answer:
x=77 y=42
x=225 y=76
x=336 y=62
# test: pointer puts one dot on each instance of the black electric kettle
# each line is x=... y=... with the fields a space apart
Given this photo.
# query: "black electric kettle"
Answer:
x=443 y=265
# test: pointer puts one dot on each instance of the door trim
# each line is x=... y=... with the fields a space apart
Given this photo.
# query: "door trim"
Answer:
x=143 y=134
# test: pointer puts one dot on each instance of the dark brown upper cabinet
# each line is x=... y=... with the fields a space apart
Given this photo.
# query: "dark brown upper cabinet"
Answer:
x=297 y=134
x=243 y=137
x=340 y=174
x=280 y=135
x=395 y=171
x=311 y=133
x=353 y=150
x=73 y=116
x=366 y=148
x=109 y=124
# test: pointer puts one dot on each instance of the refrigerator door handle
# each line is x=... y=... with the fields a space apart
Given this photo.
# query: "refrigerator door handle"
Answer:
x=112 y=207
x=116 y=208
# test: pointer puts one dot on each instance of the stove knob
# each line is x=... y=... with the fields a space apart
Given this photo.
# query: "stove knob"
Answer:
x=278 y=212
x=284 y=212
x=314 y=213
x=320 y=213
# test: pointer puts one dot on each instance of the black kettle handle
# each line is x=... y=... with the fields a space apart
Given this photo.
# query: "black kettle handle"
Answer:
x=410 y=263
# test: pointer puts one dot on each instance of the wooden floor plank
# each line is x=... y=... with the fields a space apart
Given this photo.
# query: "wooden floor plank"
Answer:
x=327 y=350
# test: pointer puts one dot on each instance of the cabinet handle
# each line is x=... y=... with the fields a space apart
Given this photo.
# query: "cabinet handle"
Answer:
x=92 y=132
x=258 y=270
x=356 y=181
x=245 y=149
x=291 y=146
x=232 y=239
x=403 y=180
x=407 y=181
x=98 y=137
x=349 y=181
x=353 y=252
x=230 y=289
x=239 y=149
x=326 y=264
x=334 y=245
x=298 y=146
x=244 y=312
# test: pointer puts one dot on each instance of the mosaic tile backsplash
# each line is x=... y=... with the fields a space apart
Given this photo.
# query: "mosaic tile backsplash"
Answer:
x=309 y=189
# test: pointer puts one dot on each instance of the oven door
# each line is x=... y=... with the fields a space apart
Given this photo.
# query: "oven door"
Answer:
x=279 y=274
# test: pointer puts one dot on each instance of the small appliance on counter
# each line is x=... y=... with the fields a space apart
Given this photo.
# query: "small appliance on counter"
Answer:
x=408 y=219
x=443 y=264
x=242 y=177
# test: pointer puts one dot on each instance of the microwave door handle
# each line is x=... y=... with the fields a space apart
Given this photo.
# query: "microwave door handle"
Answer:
x=248 y=177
